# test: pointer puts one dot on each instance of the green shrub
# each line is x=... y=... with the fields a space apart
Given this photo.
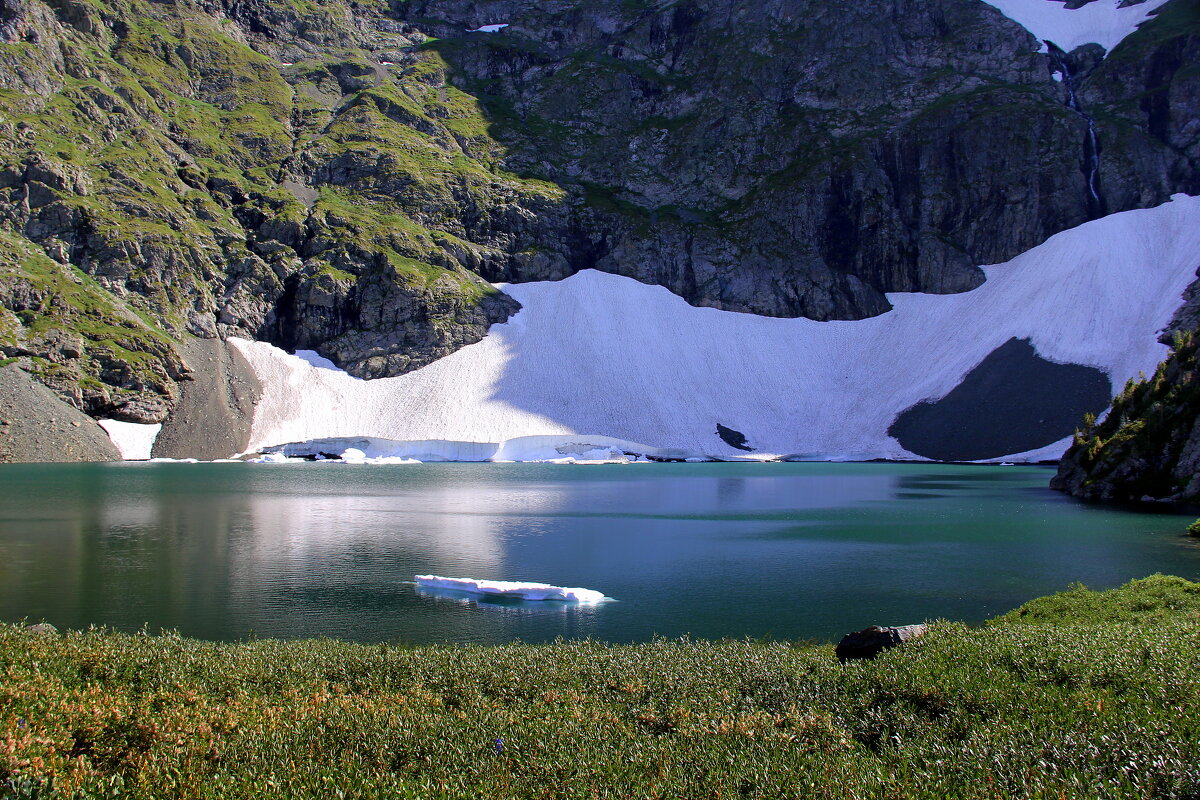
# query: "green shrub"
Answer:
x=1102 y=707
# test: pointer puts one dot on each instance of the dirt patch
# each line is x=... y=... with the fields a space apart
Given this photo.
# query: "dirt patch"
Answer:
x=35 y=425
x=1013 y=401
x=216 y=406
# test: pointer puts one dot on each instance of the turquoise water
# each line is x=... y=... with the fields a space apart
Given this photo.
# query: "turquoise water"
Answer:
x=226 y=551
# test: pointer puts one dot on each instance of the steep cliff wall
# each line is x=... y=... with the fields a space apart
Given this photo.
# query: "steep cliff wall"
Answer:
x=347 y=177
x=802 y=158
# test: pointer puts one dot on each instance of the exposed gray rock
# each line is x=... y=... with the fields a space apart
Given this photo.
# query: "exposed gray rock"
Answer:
x=791 y=159
x=216 y=405
x=35 y=425
x=870 y=642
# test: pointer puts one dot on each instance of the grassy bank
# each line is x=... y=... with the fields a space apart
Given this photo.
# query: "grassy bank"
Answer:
x=1080 y=695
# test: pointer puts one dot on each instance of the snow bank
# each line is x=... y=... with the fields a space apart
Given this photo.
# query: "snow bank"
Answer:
x=489 y=28
x=135 y=441
x=1101 y=21
x=558 y=449
x=512 y=589
x=597 y=353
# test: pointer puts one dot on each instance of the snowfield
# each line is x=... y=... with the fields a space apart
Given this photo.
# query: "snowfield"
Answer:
x=132 y=439
x=1103 y=22
x=596 y=356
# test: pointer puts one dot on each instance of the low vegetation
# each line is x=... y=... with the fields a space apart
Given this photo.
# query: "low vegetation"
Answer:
x=1142 y=448
x=1083 y=694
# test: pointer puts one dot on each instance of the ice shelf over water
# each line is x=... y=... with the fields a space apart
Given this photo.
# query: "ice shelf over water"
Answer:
x=601 y=354
x=572 y=449
x=1103 y=22
x=515 y=590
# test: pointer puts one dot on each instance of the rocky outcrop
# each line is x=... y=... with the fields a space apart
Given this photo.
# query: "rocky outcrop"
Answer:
x=166 y=174
x=1148 y=446
x=870 y=642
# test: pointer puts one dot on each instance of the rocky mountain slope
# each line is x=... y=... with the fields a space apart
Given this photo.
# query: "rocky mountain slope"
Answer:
x=348 y=177
x=1148 y=446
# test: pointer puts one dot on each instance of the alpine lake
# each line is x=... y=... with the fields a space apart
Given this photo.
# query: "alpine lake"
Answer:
x=229 y=551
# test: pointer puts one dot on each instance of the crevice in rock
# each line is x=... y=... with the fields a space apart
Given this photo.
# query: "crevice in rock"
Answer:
x=1090 y=163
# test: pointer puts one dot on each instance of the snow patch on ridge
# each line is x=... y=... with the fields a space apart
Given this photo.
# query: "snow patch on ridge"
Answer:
x=1103 y=22
x=134 y=440
x=601 y=353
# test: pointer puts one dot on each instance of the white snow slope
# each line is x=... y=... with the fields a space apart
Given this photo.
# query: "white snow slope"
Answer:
x=601 y=354
x=1101 y=21
x=133 y=440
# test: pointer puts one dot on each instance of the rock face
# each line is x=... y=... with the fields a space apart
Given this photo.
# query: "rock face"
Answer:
x=802 y=158
x=349 y=178
x=1148 y=447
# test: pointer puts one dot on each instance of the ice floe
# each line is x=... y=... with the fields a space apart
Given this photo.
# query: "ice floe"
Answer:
x=134 y=440
x=601 y=354
x=1104 y=22
x=516 y=590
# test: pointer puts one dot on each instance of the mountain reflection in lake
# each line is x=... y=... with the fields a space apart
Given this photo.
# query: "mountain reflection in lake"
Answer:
x=224 y=551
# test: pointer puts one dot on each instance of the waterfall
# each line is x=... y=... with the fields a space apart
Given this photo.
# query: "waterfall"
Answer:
x=1091 y=144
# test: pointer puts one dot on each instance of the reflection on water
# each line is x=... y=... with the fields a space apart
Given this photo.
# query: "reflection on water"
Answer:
x=788 y=550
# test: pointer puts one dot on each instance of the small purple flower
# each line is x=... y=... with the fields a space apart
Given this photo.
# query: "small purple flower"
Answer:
x=498 y=745
x=21 y=722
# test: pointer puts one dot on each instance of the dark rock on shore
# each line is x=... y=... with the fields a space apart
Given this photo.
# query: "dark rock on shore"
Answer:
x=870 y=642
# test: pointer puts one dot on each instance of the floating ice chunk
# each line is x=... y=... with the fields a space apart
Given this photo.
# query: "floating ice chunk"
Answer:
x=517 y=590
x=489 y=28
x=134 y=440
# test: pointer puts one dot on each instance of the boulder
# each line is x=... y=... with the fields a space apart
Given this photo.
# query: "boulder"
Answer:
x=870 y=642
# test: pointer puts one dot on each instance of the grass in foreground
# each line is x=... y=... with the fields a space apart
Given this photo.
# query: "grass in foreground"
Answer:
x=1083 y=695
